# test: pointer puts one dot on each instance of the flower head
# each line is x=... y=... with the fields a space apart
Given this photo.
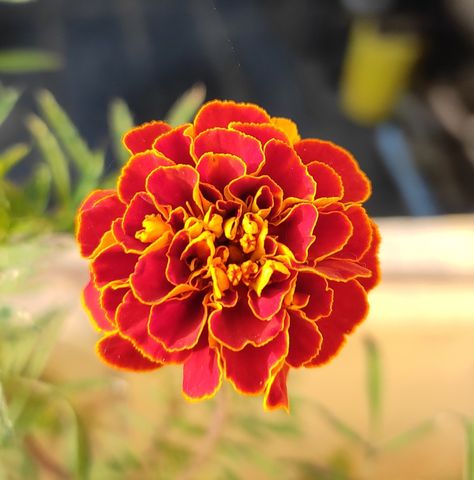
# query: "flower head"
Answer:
x=232 y=247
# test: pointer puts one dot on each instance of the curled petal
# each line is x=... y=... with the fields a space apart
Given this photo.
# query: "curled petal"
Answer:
x=263 y=132
x=175 y=145
x=220 y=140
x=361 y=237
x=113 y=264
x=305 y=340
x=333 y=230
x=95 y=219
x=276 y=394
x=283 y=165
x=249 y=187
x=341 y=270
x=371 y=261
x=238 y=326
x=178 y=323
x=95 y=311
x=219 y=169
x=220 y=113
x=148 y=280
x=120 y=353
x=295 y=229
x=329 y=188
x=349 y=308
x=111 y=297
x=249 y=370
x=132 y=321
x=175 y=186
x=315 y=288
x=269 y=302
x=134 y=174
x=141 y=138
x=177 y=271
x=356 y=185
x=202 y=375
x=287 y=126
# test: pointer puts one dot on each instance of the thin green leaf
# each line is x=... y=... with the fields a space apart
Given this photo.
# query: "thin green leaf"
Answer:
x=53 y=156
x=89 y=164
x=374 y=384
x=82 y=457
x=186 y=105
x=8 y=98
x=6 y=426
x=38 y=188
x=469 y=466
x=409 y=436
x=10 y=157
x=342 y=427
x=120 y=121
x=28 y=61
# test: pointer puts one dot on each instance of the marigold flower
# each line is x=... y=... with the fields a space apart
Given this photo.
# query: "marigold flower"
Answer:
x=232 y=247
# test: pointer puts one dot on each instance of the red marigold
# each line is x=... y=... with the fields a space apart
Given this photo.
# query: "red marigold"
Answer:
x=232 y=247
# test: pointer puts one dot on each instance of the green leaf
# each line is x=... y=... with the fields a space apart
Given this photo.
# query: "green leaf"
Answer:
x=469 y=468
x=185 y=107
x=8 y=98
x=10 y=157
x=89 y=164
x=82 y=458
x=6 y=426
x=38 y=189
x=374 y=384
x=120 y=121
x=53 y=156
x=409 y=436
x=28 y=61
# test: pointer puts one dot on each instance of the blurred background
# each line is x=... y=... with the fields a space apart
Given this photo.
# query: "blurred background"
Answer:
x=390 y=80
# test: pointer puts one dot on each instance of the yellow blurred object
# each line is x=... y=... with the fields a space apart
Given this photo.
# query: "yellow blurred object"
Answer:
x=376 y=71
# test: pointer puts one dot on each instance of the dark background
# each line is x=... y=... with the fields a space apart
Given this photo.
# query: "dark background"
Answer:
x=284 y=55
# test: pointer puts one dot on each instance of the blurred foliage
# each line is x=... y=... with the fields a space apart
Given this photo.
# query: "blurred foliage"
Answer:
x=19 y=60
x=66 y=168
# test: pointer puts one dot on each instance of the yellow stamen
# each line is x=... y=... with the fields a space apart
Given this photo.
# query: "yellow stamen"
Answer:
x=220 y=282
x=153 y=228
x=266 y=273
x=230 y=228
x=248 y=242
x=234 y=274
x=249 y=270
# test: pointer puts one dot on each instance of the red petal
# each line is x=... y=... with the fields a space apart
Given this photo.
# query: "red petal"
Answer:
x=310 y=284
x=356 y=185
x=332 y=232
x=111 y=297
x=371 y=261
x=134 y=174
x=220 y=113
x=328 y=183
x=341 y=270
x=141 y=138
x=149 y=282
x=175 y=145
x=263 y=132
x=276 y=395
x=177 y=271
x=95 y=219
x=361 y=236
x=113 y=264
x=249 y=369
x=237 y=327
x=174 y=186
x=295 y=229
x=271 y=299
x=305 y=340
x=125 y=230
x=247 y=187
x=201 y=374
x=118 y=352
x=94 y=197
x=91 y=302
x=178 y=323
x=286 y=168
x=219 y=169
x=349 y=308
x=220 y=140
x=132 y=320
